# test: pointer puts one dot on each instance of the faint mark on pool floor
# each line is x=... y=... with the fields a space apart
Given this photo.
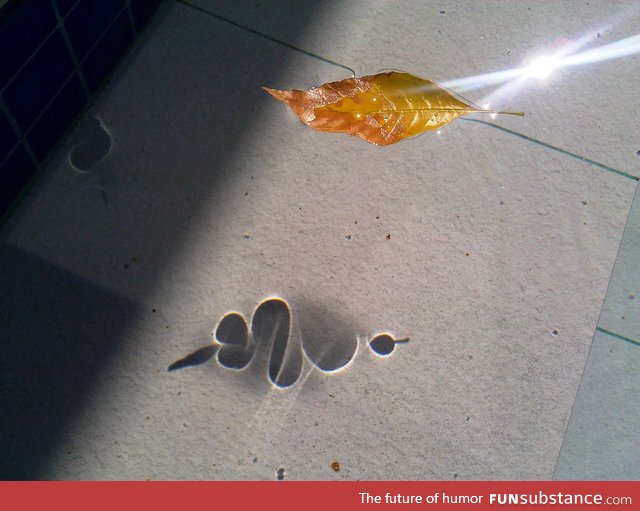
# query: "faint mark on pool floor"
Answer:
x=93 y=145
x=90 y=145
x=273 y=342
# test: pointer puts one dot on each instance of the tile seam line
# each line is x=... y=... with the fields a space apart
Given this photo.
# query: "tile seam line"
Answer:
x=618 y=336
x=21 y=134
x=37 y=48
x=558 y=149
x=74 y=72
x=593 y=340
x=70 y=50
x=262 y=34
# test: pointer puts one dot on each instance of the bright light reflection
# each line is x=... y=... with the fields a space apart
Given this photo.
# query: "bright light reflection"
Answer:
x=543 y=66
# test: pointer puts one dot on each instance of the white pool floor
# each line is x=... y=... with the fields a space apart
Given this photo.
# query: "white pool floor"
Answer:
x=506 y=251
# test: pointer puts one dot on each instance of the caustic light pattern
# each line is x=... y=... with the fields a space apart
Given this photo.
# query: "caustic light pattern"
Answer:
x=382 y=109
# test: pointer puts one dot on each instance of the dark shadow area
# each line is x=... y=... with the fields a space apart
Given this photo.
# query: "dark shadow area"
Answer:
x=329 y=339
x=271 y=330
x=200 y=356
x=232 y=333
x=385 y=344
x=190 y=98
x=274 y=351
x=57 y=332
x=92 y=145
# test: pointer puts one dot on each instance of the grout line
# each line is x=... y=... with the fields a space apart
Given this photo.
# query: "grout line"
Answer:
x=37 y=49
x=617 y=336
x=558 y=149
x=131 y=20
x=22 y=137
x=262 y=34
x=72 y=53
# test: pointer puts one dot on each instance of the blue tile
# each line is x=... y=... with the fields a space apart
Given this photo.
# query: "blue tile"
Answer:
x=88 y=21
x=15 y=173
x=142 y=11
x=22 y=30
x=104 y=56
x=64 y=6
x=39 y=81
x=8 y=137
x=55 y=120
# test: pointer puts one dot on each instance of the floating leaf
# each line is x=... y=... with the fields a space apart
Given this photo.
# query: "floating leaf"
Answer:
x=381 y=109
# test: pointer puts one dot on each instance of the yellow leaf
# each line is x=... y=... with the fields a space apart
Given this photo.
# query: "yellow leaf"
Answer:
x=381 y=109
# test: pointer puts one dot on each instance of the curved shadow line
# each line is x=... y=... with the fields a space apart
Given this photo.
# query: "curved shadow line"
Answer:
x=555 y=148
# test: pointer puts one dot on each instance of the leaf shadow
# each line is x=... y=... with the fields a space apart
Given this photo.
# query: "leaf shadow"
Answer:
x=198 y=357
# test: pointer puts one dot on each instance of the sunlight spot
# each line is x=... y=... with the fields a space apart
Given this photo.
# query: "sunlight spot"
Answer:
x=541 y=67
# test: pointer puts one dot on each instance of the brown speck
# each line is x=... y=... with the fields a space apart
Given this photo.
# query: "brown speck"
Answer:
x=355 y=222
x=467 y=254
x=388 y=236
x=377 y=217
x=347 y=237
x=147 y=418
x=246 y=193
x=335 y=466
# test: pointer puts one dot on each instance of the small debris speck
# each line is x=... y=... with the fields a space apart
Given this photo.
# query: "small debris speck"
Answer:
x=125 y=266
x=584 y=202
x=153 y=310
x=255 y=460
x=554 y=332
x=388 y=236
x=347 y=237
x=280 y=474
x=245 y=236
x=442 y=12
x=467 y=254
x=335 y=466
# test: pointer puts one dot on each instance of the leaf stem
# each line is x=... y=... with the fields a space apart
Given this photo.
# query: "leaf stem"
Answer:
x=503 y=112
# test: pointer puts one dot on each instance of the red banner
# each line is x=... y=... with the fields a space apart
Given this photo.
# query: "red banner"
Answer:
x=325 y=496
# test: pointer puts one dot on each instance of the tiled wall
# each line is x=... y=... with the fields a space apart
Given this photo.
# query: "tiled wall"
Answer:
x=54 y=55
